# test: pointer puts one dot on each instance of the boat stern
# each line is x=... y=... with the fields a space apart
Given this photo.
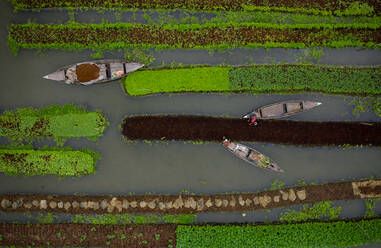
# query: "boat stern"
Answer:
x=132 y=66
x=309 y=104
x=274 y=167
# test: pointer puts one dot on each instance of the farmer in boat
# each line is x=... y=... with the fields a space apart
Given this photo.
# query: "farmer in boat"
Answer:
x=252 y=119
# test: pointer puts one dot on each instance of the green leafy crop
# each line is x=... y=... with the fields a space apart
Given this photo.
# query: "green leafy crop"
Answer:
x=312 y=234
x=191 y=36
x=337 y=7
x=59 y=161
x=177 y=80
x=257 y=79
x=58 y=122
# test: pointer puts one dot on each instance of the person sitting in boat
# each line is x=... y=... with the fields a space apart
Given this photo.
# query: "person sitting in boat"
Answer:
x=252 y=119
x=71 y=75
x=117 y=74
x=228 y=144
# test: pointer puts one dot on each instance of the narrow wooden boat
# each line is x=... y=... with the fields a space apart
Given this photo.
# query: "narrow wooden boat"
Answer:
x=251 y=156
x=91 y=72
x=282 y=109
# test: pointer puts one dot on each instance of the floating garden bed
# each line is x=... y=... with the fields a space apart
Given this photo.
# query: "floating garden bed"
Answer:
x=86 y=235
x=342 y=233
x=323 y=7
x=25 y=161
x=208 y=36
x=190 y=204
x=257 y=79
x=202 y=128
x=58 y=122
x=312 y=234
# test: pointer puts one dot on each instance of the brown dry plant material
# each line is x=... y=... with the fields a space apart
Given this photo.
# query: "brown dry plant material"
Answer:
x=87 y=72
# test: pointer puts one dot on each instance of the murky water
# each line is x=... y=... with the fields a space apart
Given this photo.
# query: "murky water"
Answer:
x=171 y=168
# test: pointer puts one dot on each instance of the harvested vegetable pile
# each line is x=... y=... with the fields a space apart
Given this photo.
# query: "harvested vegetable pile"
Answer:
x=87 y=72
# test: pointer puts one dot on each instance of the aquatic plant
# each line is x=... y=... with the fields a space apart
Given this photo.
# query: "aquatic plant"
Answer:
x=363 y=104
x=25 y=161
x=316 y=211
x=124 y=219
x=56 y=122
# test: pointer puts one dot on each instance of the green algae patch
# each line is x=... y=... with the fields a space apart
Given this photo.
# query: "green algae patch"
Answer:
x=202 y=79
x=312 y=234
x=57 y=122
x=63 y=162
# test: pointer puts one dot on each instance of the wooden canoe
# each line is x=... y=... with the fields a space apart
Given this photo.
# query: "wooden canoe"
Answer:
x=282 y=109
x=109 y=70
x=251 y=156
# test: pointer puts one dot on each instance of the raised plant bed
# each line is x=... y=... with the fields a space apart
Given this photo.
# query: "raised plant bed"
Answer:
x=26 y=161
x=190 y=204
x=202 y=128
x=256 y=79
x=341 y=233
x=57 y=122
x=87 y=235
x=311 y=234
x=323 y=7
x=208 y=36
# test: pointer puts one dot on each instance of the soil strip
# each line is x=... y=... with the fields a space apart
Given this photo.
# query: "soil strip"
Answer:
x=90 y=235
x=274 y=131
x=190 y=204
x=87 y=235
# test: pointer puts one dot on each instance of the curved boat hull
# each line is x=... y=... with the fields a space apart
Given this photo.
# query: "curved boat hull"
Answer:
x=251 y=156
x=109 y=70
x=283 y=109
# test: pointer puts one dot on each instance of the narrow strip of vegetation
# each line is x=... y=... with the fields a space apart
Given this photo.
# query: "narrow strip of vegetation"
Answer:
x=316 y=211
x=203 y=128
x=124 y=219
x=57 y=122
x=343 y=233
x=235 y=18
x=208 y=36
x=324 y=7
x=115 y=209
x=313 y=234
x=257 y=79
x=24 y=161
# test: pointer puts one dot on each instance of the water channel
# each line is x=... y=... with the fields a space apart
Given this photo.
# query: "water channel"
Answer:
x=177 y=166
